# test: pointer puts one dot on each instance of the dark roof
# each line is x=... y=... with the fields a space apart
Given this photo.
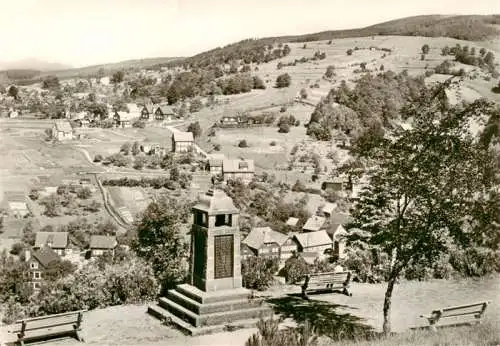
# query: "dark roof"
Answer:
x=46 y=256
x=59 y=240
x=102 y=242
x=259 y=236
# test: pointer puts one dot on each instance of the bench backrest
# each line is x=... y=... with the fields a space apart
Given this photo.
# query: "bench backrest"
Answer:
x=329 y=277
x=476 y=309
x=43 y=322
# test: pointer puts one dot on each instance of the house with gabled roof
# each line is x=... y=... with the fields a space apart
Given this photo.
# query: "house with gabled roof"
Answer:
x=214 y=163
x=100 y=244
x=314 y=242
x=182 y=142
x=147 y=111
x=124 y=119
x=57 y=241
x=238 y=169
x=62 y=130
x=292 y=221
x=265 y=242
x=164 y=112
x=39 y=262
x=314 y=223
x=328 y=209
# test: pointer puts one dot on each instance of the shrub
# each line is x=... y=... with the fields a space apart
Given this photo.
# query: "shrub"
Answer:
x=283 y=80
x=294 y=269
x=284 y=128
x=298 y=186
x=84 y=193
x=217 y=147
x=283 y=109
x=257 y=272
x=243 y=143
x=17 y=249
x=425 y=49
x=476 y=261
x=98 y=158
x=368 y=266
x=139 y=124
x=34 y=194
x=270 y=334
x=273 y=143
x=303 y=93
x=349 y=52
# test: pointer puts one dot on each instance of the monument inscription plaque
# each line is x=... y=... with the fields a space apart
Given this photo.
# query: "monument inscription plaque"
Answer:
x=224 y=254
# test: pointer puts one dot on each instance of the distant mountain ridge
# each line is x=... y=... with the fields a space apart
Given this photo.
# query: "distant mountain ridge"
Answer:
x=33 y=64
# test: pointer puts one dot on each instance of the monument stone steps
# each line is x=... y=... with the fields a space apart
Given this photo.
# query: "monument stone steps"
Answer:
x=206 y=298
x=215 y=318
x=162 y=314
x=227 y=305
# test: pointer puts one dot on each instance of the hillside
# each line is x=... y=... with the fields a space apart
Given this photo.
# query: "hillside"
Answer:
x=32 y=64
x=29 y=75
x=469 y=28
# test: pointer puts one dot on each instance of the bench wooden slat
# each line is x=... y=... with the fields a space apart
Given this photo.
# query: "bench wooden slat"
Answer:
x=475 y=310
x=326 y=281
x=49 y=323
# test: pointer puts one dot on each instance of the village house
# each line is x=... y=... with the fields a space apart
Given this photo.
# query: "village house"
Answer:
x=238 y=169
x=292 y=221
x=13 y=113
x=233 y=121
x=39 y=262
x=342 y=185
x=147 y=112
x=100 y=244
x=19 y=209
x=62 y=130
x=338 y=235
x=57 y=241
x=265 y=242
x=314 y=223
x=314 y=242
x=164 y=112
x=123 y=119
x=328 y=208
x=182 y=142
x=214 y=163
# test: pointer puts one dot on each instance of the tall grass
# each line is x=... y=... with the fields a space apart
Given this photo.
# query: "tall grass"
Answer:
x=486 y=334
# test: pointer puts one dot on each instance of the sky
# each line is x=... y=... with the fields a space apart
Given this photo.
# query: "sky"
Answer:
x=87 y=32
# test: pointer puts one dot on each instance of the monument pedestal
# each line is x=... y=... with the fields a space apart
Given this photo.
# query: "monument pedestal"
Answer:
x=214 y=299
x=198 y=312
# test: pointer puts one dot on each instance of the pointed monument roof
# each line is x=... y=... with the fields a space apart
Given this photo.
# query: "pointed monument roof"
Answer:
x=216 y=202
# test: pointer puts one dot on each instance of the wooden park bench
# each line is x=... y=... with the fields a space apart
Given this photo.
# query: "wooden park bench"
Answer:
x=328 y=281
x=455 y=316
x=49 y=327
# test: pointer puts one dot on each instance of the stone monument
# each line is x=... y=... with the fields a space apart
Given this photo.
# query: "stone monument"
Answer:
x=214 y=296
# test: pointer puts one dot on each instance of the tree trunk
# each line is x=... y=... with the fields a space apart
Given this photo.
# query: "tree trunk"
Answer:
x=387 y=305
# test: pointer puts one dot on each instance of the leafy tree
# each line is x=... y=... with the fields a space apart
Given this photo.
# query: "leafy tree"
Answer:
x=294 y=269
x=431 y=190
x=286 y=50
x=125 y=148
x=284 y=128
x=195 y=106
x=283 y=80
x=425 y=49
x=258 y=83
x=84 y=193
x=117 y=77
x=482 y=51
x=243 y=143
x=195 y=128
x=445 y=51
x=257 y=272
x=330 y=71
x=174 y=173
x=489 y=58
x=98 y=158
x=159 y=240
x=52 y=205
x=349 y=52
x=136 y=148
x=303 y=93
x=13 y=91
x=34 y=194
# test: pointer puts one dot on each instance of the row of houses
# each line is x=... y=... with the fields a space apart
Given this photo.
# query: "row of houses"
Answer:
x=51 y=247
x=265 y=242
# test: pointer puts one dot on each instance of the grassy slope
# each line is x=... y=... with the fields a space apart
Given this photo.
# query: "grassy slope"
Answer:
x=130 y=325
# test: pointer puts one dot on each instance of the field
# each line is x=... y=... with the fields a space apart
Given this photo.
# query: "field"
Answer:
x=130 y=325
